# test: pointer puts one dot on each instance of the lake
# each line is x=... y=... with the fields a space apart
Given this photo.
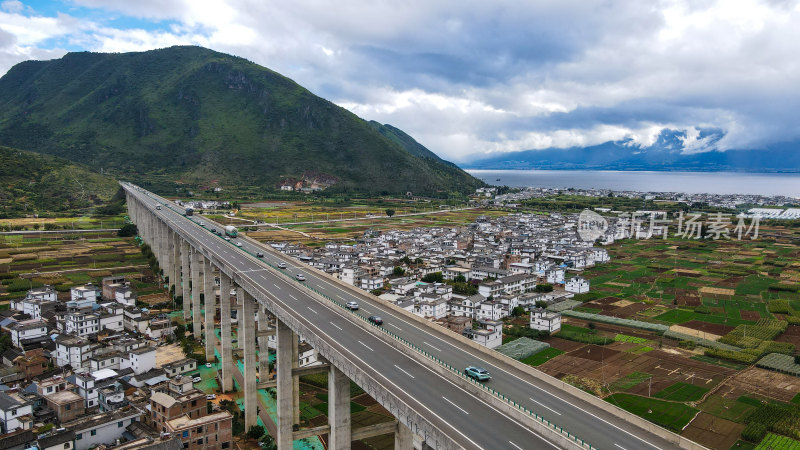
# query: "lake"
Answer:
x=787 y=184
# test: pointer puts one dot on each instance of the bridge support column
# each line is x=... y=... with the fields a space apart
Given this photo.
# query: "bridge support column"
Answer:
x=248 y=337
x=263 y=345
x=284 y=338
x=210 y=309
x=403 y=438
x=165 y=239
x=296 y=379
x=197 y=288
x=226 y=340
x=338 y=409
x=185 y=280
x=175 y=277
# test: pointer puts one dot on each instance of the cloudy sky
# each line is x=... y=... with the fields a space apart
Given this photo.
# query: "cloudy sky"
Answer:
x=466 y=77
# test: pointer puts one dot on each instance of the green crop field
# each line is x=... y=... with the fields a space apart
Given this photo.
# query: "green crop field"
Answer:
x=673 y=416
x=776 y=442
x=682 y=392
x=542 y=356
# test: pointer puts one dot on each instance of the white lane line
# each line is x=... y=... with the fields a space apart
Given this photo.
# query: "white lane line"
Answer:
x=365 y=345
x=515 y=445
x=617 y=445
x=276 y=286
x=309 y=308
x=393 y=325
x=429 y=345
x=545 y=406
x=401 y=370
x=388 y=312
x=294 y=298
x=598 y=418
x=342 y=298
x=448 y=401
x=337 y=326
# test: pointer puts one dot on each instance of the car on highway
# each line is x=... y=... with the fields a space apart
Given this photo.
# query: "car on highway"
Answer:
x=202 y=224
x=227 y=238
x=214 y=230
x=259 y=255
x=196 y=380
x=477 y=373
x=281 y=265
x=377 y=320
x=352 y=306
x=238 y=244
x=300 y=277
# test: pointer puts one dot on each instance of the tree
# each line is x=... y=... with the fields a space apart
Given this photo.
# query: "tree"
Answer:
x=435 y=277
x=390 y=212
x=128 y=230
x=541 y=304
x=518 y=311
x=591 y=326
x=268 y=443
x=255 y=432
x=460 y=279
x=399 y=271
x=544 y=287
x=36 y=226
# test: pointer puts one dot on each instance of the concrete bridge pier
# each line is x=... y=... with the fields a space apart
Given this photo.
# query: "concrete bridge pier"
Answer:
x=225 y=332
x=247 y=327
x=175 y=276
x=338 y=410
x=196 y=262
x=285 y=398
x=263 y=344
x=185 y=280
x=210 y=309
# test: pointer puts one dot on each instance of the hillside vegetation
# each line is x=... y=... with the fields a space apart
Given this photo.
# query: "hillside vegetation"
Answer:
x=204 y=118
x=31 y=183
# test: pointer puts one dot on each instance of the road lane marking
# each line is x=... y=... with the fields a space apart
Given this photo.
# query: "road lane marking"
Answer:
x=294 y=298
x=341 y=297
x=309 y=308
x=448 y=401
x=393 y=325
x=515 y=445
x=544 y=406
x=401 y=370
x=365 y=345
x=390 y=313
x=276 y=286
x=429 y=345
x=598 y=418
x=337 y=326
x=617 y=445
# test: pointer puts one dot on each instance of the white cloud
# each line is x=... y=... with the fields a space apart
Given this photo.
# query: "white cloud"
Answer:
x=481 y=76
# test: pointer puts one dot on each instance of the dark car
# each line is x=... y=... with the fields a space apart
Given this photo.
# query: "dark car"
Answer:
x=260 y=255
x=377 y=320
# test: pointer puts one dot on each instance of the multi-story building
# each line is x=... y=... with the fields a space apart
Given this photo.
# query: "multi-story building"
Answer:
x=102 y=428
x=16 y=413
x=544 y=320
x=26 y=330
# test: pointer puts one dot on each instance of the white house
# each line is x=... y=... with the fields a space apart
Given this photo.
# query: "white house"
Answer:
x=489 y=311
x=490 y=336
x=555 y=276
x=16 y=413
x=544 y=320
x=104 y=428
x=577 y=285
x=83 y=296
x=81 y=323
x=140 y=360
x=72 y=350
x=436 y=309
x=27 y=329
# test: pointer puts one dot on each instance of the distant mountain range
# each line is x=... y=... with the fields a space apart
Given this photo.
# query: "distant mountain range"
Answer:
x=666 y=154
x=195 y=117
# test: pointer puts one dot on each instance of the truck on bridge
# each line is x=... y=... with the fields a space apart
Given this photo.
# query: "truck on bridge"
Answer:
x=231 y=231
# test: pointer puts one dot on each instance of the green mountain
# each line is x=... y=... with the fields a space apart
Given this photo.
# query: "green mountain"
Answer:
x=199 y=117
x=33 y=183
